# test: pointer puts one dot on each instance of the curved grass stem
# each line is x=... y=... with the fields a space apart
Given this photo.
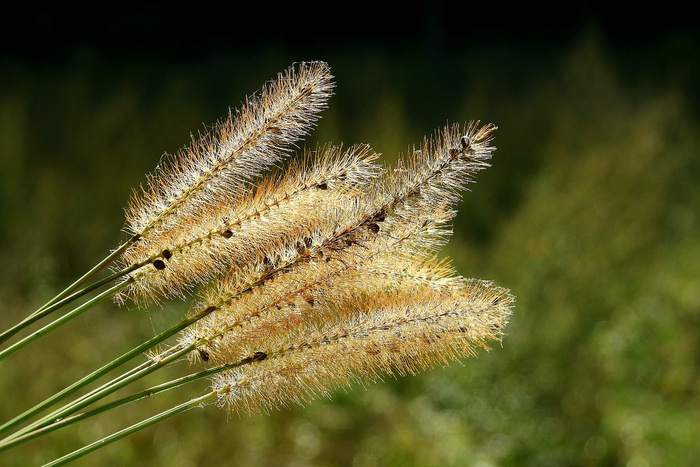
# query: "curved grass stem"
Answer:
x=66 y=296
x=126 y=378
x=198 y=401
x=109 y=259
x=56 y=304
x=62 y=320
x=107 y=388
x=118 y=403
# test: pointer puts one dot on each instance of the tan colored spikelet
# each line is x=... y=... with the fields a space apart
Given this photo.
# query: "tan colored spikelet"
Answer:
x=308 y=291
x=228 y=337
x=222 y=163
x=279 y=211
x=390 y=334
x=221 y=166
x=272 y=282
x=385 y=239
x=437 y=172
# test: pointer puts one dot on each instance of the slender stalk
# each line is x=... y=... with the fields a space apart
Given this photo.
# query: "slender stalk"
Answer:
x=95 y=375
x=136 y=427
x=118 y=403
x=92 y=272
x=107 y=389
x=47 y=309
x=104 y=390
x=65 y=318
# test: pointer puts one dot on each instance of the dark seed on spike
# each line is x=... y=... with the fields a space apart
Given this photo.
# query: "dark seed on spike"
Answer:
x=322 y=186
x=373 y=227
x=380 y=217
x=167 y=254
x=259 y=356
x=203 y=354
x=159 y=264
x=227 y=234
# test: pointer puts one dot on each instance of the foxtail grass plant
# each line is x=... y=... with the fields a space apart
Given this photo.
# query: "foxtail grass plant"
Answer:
x=305 y=274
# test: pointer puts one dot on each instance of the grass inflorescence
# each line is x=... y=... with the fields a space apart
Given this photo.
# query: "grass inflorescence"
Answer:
x=306 y=273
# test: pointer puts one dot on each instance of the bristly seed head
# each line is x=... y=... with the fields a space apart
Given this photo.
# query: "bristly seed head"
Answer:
x=221 y=167
x=395 y=333
x=322 y=274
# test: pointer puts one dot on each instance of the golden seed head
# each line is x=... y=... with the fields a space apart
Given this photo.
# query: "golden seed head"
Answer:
x=383 y=334
x=273 y=216
x=323 y=274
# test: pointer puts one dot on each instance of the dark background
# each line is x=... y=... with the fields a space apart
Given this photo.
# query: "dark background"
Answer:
x=52 y=34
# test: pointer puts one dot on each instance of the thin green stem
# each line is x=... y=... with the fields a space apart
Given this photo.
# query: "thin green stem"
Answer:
x=122 y=380
x=46 y=310
x=108 y=388
x=118 y=403
x=198 y=401
x=105 y=389
x=63 y=319
x=92 y=272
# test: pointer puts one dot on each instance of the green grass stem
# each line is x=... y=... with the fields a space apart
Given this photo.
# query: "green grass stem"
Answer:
x=198 y=401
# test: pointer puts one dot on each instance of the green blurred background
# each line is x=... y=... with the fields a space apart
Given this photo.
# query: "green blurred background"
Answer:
x=590 y=215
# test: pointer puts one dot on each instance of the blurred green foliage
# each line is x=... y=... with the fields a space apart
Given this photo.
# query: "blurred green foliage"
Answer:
x=590 y=215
